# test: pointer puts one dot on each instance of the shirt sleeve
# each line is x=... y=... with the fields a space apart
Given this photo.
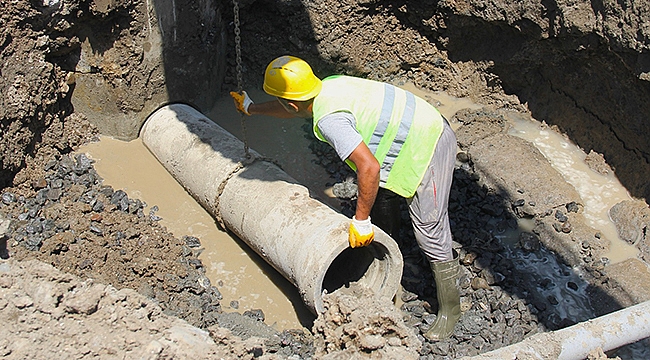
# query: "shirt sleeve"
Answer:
x=339 y=129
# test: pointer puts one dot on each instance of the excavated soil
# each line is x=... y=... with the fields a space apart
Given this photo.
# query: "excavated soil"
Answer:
x=88 y=271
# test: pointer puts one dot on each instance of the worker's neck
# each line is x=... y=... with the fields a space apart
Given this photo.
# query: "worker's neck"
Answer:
x=304 y=109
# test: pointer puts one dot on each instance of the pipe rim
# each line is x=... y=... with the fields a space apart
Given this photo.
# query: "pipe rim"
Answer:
x=383 y=274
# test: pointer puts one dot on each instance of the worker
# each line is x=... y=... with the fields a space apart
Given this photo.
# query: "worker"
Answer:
x=398 y=144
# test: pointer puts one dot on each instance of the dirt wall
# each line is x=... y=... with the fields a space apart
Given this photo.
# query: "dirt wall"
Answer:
x=137 y=56
x=582 y=66
x=33 y=107
x=70 y=69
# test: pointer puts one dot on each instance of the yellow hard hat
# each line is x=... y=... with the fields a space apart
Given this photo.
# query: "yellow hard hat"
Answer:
x=291 y=78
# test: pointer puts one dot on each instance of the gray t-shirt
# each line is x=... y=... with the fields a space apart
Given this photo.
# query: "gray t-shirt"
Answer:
x=340 y=131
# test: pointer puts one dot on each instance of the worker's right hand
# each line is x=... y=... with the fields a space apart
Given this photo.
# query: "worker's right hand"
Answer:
x=361 y=232
x=242 y=101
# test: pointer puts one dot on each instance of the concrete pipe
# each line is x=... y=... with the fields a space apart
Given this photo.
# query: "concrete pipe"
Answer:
x=575 y=342
x=302 y=238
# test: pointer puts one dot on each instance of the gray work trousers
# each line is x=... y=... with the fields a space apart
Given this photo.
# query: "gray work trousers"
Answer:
x=428 y=207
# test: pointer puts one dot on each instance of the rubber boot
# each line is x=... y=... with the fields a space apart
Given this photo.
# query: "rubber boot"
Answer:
x=445 y=274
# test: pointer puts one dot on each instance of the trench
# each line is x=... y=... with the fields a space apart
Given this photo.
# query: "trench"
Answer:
x=244 y=278
x=117 y=63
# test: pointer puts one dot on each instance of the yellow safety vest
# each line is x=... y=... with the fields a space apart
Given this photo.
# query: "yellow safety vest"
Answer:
x=399 y=128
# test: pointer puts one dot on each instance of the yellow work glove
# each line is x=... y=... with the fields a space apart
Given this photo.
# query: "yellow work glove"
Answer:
x=361 y=232
x=242 y=101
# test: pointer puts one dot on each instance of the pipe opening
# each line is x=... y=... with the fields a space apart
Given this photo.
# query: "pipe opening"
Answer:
x=367 y=266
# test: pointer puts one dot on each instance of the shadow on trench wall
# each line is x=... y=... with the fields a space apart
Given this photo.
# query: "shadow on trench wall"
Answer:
x=268 y=29
x=193 y=45
x=593 y=87
x=133 y=57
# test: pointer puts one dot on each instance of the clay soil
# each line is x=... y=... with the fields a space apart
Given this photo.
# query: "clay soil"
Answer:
x=89 y=272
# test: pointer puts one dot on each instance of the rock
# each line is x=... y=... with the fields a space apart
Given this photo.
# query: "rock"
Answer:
x=529 y=241
x=345 y=190
x=469 y=258
x=572 y=207
x=488 y=276
x=8 y=198
x=22 y=302
x=39 y=184
x=4 y=226
x=191 y=241
x=596 y=162
x=479 y=283
x=632 y=219
x=371 y=342
x=256 y=314
x=85 y=299
x=462 y=157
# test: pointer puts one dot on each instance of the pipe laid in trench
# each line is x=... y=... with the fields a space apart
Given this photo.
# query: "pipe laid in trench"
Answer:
x=575 y=342
x=302 y=238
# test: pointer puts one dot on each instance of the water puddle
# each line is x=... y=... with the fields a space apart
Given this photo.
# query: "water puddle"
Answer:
x=510 y=237
x=240 y=274
x=445 y=103
x=560 y=284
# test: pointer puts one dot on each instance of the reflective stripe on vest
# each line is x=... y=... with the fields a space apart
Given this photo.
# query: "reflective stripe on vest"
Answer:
x=400 y=129
x=402 y=132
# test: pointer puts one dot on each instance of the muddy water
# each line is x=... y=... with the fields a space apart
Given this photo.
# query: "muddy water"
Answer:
x=238 y=272
x=598 y=192
x=446 y=104
x=284 y=140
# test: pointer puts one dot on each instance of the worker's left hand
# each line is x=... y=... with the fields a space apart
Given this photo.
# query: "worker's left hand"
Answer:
x=242 y=101
x=361 y=232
